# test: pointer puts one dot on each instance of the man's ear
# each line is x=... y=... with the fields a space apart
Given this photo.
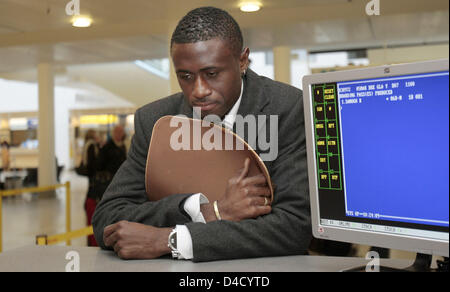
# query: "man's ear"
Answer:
x=244 y=61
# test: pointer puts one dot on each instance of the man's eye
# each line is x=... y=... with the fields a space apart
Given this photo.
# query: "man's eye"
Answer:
x=186 y=76
x=212 y=74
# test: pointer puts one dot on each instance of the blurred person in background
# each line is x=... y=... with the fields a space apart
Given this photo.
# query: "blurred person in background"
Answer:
x=4 y=148
x=110 y=158
x=5 y=155
x=89 y=157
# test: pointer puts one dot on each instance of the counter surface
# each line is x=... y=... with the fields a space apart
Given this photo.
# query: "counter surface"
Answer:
x=53 y=259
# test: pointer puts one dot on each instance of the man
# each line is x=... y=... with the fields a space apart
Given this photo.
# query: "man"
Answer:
x=211 y=66
x=113 y=153
x=109 y=159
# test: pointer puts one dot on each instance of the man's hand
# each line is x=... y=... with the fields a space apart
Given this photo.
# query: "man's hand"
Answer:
x=136 y=241
x=244 y=198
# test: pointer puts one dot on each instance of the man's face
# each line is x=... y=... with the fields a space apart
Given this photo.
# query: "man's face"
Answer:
x=118 y=133
x=209 y=73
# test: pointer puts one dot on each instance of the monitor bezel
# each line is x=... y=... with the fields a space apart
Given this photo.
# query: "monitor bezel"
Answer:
x=394 y=241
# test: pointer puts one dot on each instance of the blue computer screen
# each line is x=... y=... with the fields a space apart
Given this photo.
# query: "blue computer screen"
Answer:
x=395 y=148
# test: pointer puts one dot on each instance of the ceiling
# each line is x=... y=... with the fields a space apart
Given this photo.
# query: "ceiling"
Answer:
x=35 y=31
x=39 y=31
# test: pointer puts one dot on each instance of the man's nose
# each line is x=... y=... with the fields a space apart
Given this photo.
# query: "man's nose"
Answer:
x=201 y=88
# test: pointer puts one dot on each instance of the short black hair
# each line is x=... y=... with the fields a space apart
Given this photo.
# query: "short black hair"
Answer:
x=206 y=23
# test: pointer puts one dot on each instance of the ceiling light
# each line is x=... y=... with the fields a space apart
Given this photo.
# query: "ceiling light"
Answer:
x=81 y=21
x=250 y=6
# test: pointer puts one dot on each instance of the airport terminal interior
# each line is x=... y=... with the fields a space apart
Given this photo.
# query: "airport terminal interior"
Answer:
x=62 y=76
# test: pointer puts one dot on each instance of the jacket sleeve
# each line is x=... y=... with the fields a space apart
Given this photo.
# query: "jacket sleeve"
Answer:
x=287 y=229
x=126 y=198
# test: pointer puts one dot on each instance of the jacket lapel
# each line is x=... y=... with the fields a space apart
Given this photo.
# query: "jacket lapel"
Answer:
x=253 y=102
x=253 y=97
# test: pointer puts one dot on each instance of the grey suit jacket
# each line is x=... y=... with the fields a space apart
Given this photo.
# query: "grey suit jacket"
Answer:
x=285 y=231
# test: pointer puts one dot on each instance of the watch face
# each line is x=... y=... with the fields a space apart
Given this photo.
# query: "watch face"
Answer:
x=173 y=240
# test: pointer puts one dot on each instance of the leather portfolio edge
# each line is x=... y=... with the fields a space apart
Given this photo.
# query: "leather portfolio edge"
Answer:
x=261 y=165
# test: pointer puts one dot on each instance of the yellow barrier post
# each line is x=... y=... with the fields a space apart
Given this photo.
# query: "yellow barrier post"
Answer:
x=55 y=239
x=11 y=193
x=41 y=239
x=68 y=211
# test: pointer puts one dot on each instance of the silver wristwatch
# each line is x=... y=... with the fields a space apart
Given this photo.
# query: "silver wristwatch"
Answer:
x=172 y=244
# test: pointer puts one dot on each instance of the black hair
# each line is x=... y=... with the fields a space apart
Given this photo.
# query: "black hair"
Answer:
x=206 y=23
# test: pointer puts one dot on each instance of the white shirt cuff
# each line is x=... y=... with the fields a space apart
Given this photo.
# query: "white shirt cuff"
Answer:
x=184 y=239
x=192 y=207
x=184 y=243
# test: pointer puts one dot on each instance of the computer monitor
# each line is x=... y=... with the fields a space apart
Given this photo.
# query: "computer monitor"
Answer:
x=378 y=156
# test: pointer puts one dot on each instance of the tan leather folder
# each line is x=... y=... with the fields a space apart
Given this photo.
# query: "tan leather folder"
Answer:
x=196 y=168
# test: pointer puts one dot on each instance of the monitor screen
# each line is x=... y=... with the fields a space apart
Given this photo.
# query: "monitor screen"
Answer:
x=378 y=155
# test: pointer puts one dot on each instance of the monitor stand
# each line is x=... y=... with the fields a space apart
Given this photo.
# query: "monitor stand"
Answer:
x=421 y=264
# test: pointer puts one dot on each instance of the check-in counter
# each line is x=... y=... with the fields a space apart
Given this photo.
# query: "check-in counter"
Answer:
x=21 y=158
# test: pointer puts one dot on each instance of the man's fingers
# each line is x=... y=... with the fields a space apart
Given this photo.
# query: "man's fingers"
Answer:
x=260 y=201
x=244 y=172
x=108 y=240
x=255 y=180
x=117 y=247
x=111 y=239
x=110 y=235
x=257 y=211
x=264 y=210
x=258 y=191
x=107 y=232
